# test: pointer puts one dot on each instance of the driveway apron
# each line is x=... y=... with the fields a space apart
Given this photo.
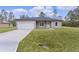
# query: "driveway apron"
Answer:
x=9 y=41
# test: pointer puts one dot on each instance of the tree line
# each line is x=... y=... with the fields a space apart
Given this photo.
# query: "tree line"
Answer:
x=73 y=14
x=6 y=16
x=72 y=18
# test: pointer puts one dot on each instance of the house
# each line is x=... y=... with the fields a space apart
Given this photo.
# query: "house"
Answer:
x=38 y=22
x=4 y=24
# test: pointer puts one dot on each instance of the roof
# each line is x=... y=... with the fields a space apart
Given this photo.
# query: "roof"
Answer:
x=38 y=19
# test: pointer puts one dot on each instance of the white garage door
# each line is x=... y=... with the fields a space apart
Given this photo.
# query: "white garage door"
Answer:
x=25 y=24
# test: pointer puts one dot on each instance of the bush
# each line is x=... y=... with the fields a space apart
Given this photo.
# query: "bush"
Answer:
x=13 y=23
x=71 y=23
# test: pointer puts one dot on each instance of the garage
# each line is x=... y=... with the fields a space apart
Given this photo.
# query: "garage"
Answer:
x=25 y=25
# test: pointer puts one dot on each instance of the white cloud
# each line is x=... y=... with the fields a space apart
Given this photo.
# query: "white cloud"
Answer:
x=49 y=11
x=35 y=11
x=19 y=10
x=7 y=11
x=66 y=7
x=51 y=15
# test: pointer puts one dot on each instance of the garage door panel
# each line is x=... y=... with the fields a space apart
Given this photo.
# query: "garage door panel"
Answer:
x=25 y=25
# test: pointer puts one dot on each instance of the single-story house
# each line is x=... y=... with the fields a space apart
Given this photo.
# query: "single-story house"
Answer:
x=38 y=22
x=5 y=24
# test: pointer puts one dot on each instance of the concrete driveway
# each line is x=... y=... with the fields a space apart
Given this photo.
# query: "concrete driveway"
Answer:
x=9 y=41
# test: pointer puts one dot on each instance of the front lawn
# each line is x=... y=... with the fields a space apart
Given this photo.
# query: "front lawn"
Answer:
x=63 y=39
x=6 y=29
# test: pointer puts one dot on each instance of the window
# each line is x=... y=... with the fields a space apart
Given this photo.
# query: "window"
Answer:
x=55 y=23
x=41 y=24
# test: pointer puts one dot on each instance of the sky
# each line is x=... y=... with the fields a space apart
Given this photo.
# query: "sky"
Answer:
x=34 y=11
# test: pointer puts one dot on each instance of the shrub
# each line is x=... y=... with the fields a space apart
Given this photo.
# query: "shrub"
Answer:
x=13 y=23
x=71 y=23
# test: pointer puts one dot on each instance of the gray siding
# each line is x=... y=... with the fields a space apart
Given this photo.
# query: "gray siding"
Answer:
x=59 y=24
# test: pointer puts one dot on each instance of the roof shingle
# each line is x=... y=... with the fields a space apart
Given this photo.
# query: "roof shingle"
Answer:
x=38 y=19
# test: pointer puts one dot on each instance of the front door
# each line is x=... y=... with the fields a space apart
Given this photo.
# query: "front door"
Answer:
x=48 y=25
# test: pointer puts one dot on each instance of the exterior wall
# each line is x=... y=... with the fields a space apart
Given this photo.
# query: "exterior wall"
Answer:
x=34 y=24
x=38 y=24
x=47 y=24
x=59 y=24
x=25 y=24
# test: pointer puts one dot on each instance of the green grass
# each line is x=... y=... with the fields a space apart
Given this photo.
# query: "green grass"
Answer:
x=6 y=29
x=57 y=40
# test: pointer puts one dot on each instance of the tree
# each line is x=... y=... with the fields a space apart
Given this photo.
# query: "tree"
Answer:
x=1 y=18
x=5 y=16
x=22 y=16
x=2 y=14
x=55 y=12
x=71 y=15
x=42 y=14
x=2 y=11
x=11 y=16
x=26 y=15
x=76 y=12
x=11 y=19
